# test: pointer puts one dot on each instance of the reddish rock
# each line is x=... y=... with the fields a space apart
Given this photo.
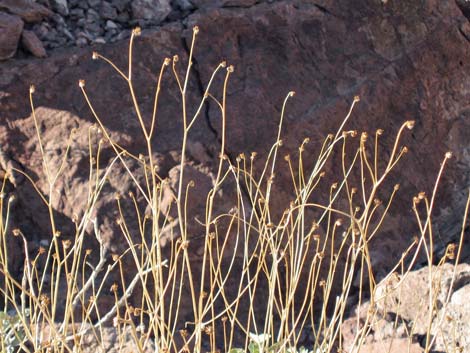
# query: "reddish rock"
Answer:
x=406 y=60
x=10 y=32
x=33 y=44
x=29 y=11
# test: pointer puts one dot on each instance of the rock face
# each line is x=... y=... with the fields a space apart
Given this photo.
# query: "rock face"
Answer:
x=403 y=306
x=10 y=33
x=406 y=60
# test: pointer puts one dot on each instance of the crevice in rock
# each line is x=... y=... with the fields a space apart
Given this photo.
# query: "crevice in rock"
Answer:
x=201 y=89
x=464 y=6
x=465 y=35
x=324 y=10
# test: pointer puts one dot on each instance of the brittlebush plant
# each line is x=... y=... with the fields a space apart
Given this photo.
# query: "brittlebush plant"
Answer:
x=290 y=264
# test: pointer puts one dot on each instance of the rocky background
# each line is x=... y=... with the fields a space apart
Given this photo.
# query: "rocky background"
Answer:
x=406 y=60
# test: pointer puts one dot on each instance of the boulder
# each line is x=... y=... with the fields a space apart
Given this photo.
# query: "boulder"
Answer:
x=432 y=299
x=33 y=44
x=11 y=27
x=28 y=11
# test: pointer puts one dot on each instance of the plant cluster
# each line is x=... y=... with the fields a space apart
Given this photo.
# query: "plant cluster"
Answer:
x=286 y=267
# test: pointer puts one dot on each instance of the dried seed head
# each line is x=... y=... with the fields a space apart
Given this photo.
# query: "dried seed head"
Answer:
x=314 y=226
x=253 y=155
x=339 y=222
x=448 y=155
x=137 y=31
x=88 y=252
x=223 y=64
x=12 y=198
x=357 y=99
x=115 y=257
x=404 y=149
x=16 y=232
x=287 y=158
x=32 y=89
x=410 y=124
x=230 y=69
x=66 y=243
x=81 y=83
x=450 y=251
x=44 y=300
x=185 y=244
x=114 y=287
x=196 y=29
x=183 y=333
x=421 y=195
x=353 y=191
x=377 y=202
x=396 y=187
x=334 y=185
x=364 y=137
x=379 y=132
x=176 y=58
x=117 y=196
x=208 y=330
x=291 y=93
x=57 y=233
x=94 y=55
x=166 y=62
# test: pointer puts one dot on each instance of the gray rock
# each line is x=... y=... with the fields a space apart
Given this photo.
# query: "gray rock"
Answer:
x=81 y=42
x=154 y=10
x=92 y=15
x=31 y=42
x=99 y=40
x=184 y=5
x=61 y=6
x=77 y=12
x=111 y=25
x=11 y=27
x=121 y=5
x=94 y=3
x=107 y=11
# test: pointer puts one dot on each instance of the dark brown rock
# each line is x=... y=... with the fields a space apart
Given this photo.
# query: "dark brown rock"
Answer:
x=29 y=11
x=406 y=60
x=10 y=32
x=32 y=43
